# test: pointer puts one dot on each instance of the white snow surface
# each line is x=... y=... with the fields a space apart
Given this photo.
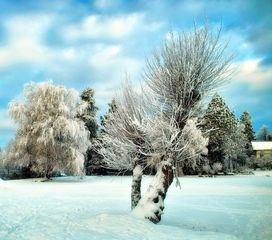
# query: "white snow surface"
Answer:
x=67 y=208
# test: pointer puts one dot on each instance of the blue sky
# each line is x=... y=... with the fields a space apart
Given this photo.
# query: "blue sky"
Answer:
x=94 y=43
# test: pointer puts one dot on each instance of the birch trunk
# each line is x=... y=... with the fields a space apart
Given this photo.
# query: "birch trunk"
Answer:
x=136 y=186
x=151 y=204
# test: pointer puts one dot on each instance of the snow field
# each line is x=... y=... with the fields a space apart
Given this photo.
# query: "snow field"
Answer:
x=228 y=208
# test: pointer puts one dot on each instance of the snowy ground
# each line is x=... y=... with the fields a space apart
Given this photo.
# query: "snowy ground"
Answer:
x=236 y=207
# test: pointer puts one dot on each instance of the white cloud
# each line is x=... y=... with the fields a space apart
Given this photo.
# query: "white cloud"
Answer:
x=110 y=59
x=98 y=26
x=24 y=34
x=259 y=77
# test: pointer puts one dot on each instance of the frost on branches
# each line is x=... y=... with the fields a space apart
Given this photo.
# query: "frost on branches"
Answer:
x=123 y=142
x=49 y=138
x=234 y=148
x=155 y=127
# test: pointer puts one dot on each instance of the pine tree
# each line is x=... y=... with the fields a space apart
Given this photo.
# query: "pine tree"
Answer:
x=218 y=121
x=245 y=119
x=112 y=108
x=87 y=113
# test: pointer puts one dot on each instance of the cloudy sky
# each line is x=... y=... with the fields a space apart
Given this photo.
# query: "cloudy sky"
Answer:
x=88 y=43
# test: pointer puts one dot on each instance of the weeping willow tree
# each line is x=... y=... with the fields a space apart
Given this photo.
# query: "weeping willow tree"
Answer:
x=49 y=137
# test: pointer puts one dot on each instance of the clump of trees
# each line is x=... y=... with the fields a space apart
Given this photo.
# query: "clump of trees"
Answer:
x=229 y=138
x=156 y=126
x=50 y=138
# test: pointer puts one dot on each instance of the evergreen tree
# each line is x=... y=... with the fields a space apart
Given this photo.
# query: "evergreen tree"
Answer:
x=245 y=119
x=218 y=121
x=112 y=108
x=87 y=113
x=98 y=165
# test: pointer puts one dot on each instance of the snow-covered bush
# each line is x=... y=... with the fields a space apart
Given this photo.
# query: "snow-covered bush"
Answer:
x=264 y=162
x=206 y=169
x=49 y=137
x=217 y=167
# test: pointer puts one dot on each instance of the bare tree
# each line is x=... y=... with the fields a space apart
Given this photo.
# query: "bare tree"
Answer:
x=156 y=128
x=49 y=137
x=137 y=135
x=188 y=67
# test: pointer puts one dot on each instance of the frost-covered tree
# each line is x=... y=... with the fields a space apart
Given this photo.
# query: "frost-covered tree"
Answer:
x=220 y=122
x=50 y=138
x=234 y=148
x=112 y=107
x=188 y=66
x=137 y=135
x=264 y=134
x=123 y=142
x=87 y=113
x=186 y=69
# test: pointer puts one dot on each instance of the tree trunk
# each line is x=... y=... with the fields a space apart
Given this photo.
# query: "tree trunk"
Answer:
x=136 y=186
x=151 y=204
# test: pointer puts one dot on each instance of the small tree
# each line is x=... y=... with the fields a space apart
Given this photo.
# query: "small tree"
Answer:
x=49 y=138
x=123 y=141
x=264 y=134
